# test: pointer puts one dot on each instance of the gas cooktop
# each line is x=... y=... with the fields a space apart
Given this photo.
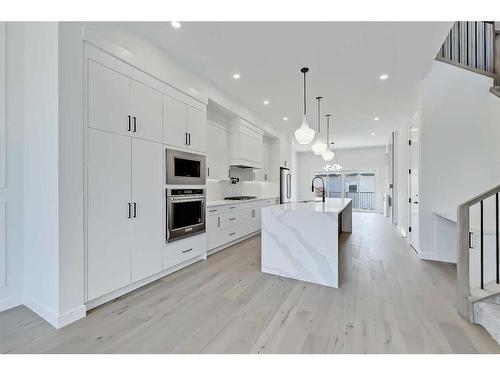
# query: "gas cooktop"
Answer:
x=241 y=198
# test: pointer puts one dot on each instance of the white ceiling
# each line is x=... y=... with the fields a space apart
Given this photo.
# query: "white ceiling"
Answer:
x=345 y=61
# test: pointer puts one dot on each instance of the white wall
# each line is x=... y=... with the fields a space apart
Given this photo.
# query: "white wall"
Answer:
x=368 y=159
x=12 y=194
x=41 y=190
x=460 y=153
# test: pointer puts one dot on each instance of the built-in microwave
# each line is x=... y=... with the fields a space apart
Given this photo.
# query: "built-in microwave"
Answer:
x=185 y=213
x=184 y=168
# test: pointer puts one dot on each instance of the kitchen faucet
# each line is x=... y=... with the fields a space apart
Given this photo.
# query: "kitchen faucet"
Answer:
x=323 y=183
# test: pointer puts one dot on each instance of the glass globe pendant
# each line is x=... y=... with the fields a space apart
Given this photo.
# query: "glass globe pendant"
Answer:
x=304 y=135
x=328 y=154
x=320 y=145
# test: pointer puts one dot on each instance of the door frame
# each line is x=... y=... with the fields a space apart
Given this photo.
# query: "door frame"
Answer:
x=415 y=121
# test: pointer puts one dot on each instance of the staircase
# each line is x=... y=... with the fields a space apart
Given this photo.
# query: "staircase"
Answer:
x=478 y=265
x=474 y=46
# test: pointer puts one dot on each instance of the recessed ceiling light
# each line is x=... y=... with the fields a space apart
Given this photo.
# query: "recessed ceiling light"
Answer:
x=266 y=102
x=373 y=133
x=285 y=118
x=376 y=119
x=383 y=77
x=236 y=75
x=175 y=24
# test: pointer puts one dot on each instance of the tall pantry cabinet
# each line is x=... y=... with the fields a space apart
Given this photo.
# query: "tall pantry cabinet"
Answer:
x=124 y=181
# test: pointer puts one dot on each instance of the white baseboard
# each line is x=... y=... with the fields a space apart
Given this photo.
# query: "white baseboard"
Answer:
x=57 y=321
x=222 y=247
x=432 y=255
x=10 y=302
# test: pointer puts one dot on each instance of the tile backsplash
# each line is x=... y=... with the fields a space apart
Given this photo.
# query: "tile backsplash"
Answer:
x=219 y=189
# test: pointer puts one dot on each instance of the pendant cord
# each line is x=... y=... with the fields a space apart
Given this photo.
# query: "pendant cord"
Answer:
x=328 y=131
x=319 y=116
x=305 y=105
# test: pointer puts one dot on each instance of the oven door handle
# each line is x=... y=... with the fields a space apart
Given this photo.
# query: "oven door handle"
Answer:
x=182 y=200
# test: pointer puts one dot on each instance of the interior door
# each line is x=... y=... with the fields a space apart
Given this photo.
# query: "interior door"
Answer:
x=146 y=109
x=197 y=129
x=109 y=99
x=147 y=208
x=414 y=201
x=174 y=122
x=108 y=254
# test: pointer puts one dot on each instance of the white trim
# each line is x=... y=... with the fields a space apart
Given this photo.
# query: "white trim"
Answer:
x=228 y=244
x=57 y=321
x=2 y=105
x=3 y=265
x=10 y=302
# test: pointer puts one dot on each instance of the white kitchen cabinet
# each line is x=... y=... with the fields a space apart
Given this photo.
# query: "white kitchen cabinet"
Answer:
x=147 y=209
x=125 y=211
x=285 y=153
x=181 y=251
x=264 y=174
x=245 y=144
x=184 y=126
x=197 y=129
x=122 y=105
x=108 y=99
x=109 y=191
x=147 y=111
x=217 y=152
x=174 y=122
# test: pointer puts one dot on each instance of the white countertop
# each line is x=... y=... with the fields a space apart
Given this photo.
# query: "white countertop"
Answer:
x=224 y=202
x=332 y=205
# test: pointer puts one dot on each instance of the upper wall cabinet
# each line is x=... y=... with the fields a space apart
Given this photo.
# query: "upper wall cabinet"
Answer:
x=184 y=126
x=285 y=153
x=245 y=144
x=217 y=152
x=121 y=105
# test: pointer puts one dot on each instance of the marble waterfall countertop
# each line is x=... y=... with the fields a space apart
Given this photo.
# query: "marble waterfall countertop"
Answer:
x=300 y=240
x=224 y=202
x=334 y=205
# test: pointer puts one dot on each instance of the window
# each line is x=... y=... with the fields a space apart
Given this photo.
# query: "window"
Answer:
x=357 y=185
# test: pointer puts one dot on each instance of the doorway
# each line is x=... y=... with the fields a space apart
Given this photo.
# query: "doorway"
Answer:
x=413 y=185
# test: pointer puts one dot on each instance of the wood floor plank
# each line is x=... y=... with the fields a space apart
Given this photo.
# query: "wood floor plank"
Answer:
x=389 y=301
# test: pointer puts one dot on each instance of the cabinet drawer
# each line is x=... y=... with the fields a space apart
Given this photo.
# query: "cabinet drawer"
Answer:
x=217 y=210
x=183 y=250
x=230 y=219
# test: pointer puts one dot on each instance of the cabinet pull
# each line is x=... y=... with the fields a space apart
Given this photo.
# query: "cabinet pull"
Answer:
x=189 y=139
x=185 y=138
x=265 y=177
x=232 y=218
x=129 y=126
x=135 y=209
x=212 y=210
x=232 y=207
x=253 y=213
x=135 y=124
x=218 y=221
x=129 y=210
x=232 y=234
x=187 y=251
x=208 y=171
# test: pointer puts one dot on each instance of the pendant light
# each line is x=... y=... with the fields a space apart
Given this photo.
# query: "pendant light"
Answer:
x=304 y=135
x=319 y=146
x=328 y=155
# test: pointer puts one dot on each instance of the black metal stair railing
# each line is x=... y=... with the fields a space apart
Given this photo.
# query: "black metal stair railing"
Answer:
x=471 y=45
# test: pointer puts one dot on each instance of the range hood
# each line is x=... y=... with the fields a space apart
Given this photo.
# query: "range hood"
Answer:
x=245 y=145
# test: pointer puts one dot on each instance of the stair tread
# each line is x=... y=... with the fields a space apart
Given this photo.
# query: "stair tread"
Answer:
x=487 y=314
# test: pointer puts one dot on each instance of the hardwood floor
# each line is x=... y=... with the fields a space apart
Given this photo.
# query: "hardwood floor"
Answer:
x=389 y=301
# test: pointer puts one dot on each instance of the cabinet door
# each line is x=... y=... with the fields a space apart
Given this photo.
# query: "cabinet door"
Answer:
x=197 y=129
x=109 y=99
x=174 y=122
x=108 y=250
x=217 y=152
x=285 y=154
x=148 y=200
x=146 y=109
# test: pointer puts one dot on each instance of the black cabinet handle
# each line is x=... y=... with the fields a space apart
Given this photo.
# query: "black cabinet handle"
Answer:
x=212 y=210
x=232 y=234
x=232 y=218
x=208 y=171
x=135 y=124
x=135 y=209
x=129 y=117
x=187 y=251
x=186 y=138
x=218 y=221
x=129 y=214
x=189 y=139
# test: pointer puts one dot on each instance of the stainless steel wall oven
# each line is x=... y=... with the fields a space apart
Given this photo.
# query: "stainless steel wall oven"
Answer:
x=185 y=213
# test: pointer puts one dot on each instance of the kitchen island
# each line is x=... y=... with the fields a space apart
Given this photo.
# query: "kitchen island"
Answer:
x=300 y=240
